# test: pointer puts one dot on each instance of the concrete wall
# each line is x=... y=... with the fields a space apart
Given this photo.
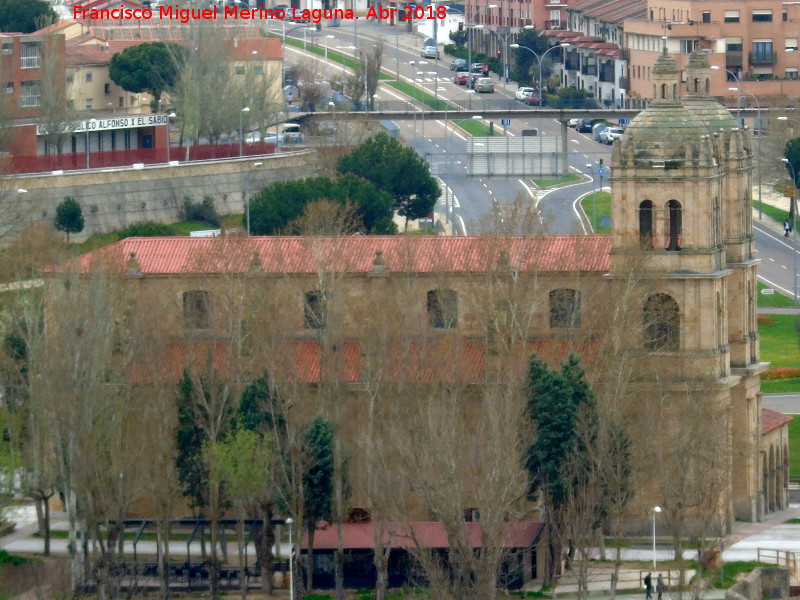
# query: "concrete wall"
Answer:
x=115 y=198
x=764 y=582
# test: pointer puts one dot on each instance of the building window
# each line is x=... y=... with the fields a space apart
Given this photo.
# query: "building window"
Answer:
x=734 y=45
x=646 y=225
x=121 y=101
x=762 y=16
x=239 y=70
x=197 y=309
x=661 y=323
x=70 y=78
x=706 y=16
x=30 y=93
x=71 y=104
x=791 y=73
x=315 y=309
x=258 y=70
x=442 y=309
x=10 y=87
x=674 y=240
x=8 y=48
x=731 y=16
x=88 y=77
x=785 y=16
x=565 y=308
x=29 y=52
x=89 y=103
x=790 y=44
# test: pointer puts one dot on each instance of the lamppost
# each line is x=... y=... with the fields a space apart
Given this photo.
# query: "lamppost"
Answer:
x=289 y=522
x=656 y=509
x=246 y=109
x=247 y=194
x=169 y=116
x=328 y=37
x=469 y=33
x=793 y=207
x=738 y=84
x=794 y=225
x=758 y=139
x=540 y=59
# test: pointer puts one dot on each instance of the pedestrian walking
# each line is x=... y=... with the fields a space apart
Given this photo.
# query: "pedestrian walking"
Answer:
x=648 y=587
x=659 y=586
x=787 y=227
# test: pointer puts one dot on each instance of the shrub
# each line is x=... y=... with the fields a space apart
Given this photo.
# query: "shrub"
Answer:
x=10 y=559
x=147 y=229
x=204 y=212
x=786 y=373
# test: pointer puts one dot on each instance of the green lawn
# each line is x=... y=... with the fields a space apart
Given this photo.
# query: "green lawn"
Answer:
x=476 y=128
x=779 y=341
x=772 y=211
x=546 y=183
x=794 y=448
x=780 y=386
x=777 y=300
x=603 y=209
x=419 y=95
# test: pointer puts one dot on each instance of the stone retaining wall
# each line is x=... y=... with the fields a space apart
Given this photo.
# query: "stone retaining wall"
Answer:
x=763 y=582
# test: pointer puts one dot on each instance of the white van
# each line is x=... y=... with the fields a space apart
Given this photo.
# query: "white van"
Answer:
x=291 y=133
x=597 y=130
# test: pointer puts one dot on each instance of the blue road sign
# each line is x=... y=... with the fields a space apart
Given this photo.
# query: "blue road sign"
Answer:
x=601 y=171
x=505 y=122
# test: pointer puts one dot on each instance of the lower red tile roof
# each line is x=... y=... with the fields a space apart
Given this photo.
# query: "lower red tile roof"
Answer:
x=772 y=420
x=307 y=255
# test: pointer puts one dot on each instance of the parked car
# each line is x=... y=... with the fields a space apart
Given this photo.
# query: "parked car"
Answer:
x=484 y=84
x=523 y=93
x=534 y=99
x=291 y=133
x=573 y=123
x=479 y=68
x=458 y=64
x=610 y=134
x=584 y=126
x=430 y=52
x=597 y=129
x=461 y=78
x=269 y=138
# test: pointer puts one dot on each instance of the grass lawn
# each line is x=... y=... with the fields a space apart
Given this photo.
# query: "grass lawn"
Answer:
x=603 y=209
x=333 y=55
x=779 y=341
x=772 y=211
x=773 y=300
x=546 y=183
x=780 y=386
x=794 y=448
x=476 y=128
x=730 y=570
x=419 y=95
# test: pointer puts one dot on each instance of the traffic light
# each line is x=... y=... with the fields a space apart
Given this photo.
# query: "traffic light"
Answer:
x=499 y=54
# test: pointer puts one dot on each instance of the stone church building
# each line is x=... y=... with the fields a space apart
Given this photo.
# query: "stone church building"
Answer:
x=662 y=312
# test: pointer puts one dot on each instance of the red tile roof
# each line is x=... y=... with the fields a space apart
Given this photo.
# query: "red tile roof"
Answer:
x=772 y=420
x=306 y=255
x=425 y=534
x=87 y=54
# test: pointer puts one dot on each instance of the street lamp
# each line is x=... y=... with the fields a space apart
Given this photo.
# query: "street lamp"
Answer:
x=738 y=83
x=469 y=34
x=793 y=215
x=247 y=194
x=590 y=166
x=656 y=509
x=169 y=116
x=540 y=59
x=246 y=109
x=503 y=40
x=758 y=139
x=289 y=522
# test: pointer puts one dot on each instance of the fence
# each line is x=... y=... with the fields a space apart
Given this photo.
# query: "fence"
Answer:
x=127 y=158
x=782 y=558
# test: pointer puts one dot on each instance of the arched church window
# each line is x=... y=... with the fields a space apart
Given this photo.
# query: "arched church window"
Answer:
x=674 y=239
x=661 y=323
x=646 y=225
x=674 y=91
x=663 y=91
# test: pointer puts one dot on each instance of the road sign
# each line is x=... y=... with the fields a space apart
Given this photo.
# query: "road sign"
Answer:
x=601 y=171
x=505 y=122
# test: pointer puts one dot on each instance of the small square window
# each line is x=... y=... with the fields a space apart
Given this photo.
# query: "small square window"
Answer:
x=197 y=309
x=315 y=309
x=239 y=70
x=89 y=103
x=10 y=87
x=706 y=16
x=442 y=309
x=88 y=77
x=8 y=48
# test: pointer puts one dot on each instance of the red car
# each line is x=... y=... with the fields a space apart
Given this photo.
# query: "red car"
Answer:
x=534 y=99
x=461 y=78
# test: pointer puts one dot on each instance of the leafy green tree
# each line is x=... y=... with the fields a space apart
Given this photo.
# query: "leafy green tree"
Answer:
x=25 y=16
x=459 y=37
x=556 y=400
x=277 y=206
x=318 y=482
x=570 y=97
x=526 y=65
x=397 y=170
x=792 y=154
x=150 y=67
x=69 y=216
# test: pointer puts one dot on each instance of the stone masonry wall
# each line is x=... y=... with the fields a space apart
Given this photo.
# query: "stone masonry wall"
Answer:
x=115 y=198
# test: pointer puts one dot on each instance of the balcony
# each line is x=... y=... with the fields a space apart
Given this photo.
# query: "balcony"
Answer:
x=607 y=73
x=572 y=62
x=763 y=58
x=624 y=83
x=589 y=70
x=734 y=60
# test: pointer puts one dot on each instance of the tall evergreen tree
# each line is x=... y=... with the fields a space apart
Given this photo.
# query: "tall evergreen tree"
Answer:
x=318 y=482
x=69 y=216
x=192 y=470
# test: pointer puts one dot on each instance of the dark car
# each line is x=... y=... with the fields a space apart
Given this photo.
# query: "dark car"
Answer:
x=584 y=126
x=533 y=99
x=473 y=78
x=459 y=64
x=481 y=68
